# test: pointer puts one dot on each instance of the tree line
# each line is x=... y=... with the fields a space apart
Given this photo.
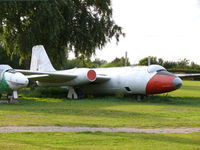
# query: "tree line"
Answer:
x=182 y=65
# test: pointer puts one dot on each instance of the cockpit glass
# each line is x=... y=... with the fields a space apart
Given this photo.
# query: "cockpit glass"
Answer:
x=1 y=71
x=155 y=68
x=3 y=68
x=12 y=71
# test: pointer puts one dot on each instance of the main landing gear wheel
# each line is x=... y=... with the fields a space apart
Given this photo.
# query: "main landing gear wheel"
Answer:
x=72 y=94
x=10 y=97
x=140 y=97
x=75 y=93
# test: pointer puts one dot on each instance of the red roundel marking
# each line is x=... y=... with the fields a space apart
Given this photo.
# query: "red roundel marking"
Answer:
x=91 y=75
x=160 y=84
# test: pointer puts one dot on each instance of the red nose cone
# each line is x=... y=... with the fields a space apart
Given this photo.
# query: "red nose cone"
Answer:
x=160 y=84
x=91 y=75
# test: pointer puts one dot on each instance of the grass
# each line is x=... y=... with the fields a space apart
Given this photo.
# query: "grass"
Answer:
x=99 y=141
x=179 y=109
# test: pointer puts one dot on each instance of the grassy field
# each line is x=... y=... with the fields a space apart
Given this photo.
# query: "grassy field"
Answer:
x=178 y=109
x=99 y=141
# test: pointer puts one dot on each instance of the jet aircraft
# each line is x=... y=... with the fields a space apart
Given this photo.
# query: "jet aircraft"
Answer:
x=133 y=80
x=11 y=81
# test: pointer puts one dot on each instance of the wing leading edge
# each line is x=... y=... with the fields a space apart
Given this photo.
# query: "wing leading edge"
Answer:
x=64 y=76
x=188 y=75
x=52 y=77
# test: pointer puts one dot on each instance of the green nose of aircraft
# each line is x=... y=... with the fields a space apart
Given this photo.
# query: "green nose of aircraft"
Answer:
x=11 y=81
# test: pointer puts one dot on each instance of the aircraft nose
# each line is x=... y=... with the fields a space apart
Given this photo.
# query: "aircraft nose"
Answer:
x=163 y=82
x=23 y=81
x=177 y=83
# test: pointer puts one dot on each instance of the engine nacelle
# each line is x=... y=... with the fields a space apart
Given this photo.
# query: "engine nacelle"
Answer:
x=83 y=76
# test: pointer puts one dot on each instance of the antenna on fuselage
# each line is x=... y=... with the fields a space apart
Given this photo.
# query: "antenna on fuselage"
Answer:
x=149 y=60
x=126 y=59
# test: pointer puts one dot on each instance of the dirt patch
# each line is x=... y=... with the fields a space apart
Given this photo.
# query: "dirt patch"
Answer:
x=98 y=129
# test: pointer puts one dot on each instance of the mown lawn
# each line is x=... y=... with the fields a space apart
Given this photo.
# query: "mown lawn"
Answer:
x=99 y=141
x=178 y=109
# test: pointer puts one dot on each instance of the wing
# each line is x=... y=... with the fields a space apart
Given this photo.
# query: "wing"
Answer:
x=188 y=75
x=79 y=76
x=50 y=77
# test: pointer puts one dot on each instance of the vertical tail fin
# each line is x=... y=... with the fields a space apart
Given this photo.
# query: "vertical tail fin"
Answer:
x=40 y=60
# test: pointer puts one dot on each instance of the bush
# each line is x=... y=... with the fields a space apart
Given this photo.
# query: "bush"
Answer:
x=47 y=92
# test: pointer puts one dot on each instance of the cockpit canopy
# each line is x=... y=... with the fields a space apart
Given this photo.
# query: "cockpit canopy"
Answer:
x=155 y=68
x=4 y=68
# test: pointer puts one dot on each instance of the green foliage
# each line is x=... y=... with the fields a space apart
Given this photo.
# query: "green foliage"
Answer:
x=13 y=61
x=60 y=25
x=81 y=62
x=172 y=65
x=98 y=63
x=117 y=62
x=48 y=92
x=73 y=63
x=153 y=60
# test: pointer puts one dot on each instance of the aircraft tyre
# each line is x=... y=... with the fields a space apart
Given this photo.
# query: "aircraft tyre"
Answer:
x=72 y=94
x=140 y=97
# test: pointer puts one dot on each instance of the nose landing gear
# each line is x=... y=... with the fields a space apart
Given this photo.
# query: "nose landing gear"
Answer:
x=12 y=97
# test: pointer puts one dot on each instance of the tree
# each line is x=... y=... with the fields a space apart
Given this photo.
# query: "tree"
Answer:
x=80 y=62
x=183 y=63
x=170 y=64
x=98 y=63
x=13 y=61
x=60 y=25
x=195 y=66
x=153 y=60
x=117 y=62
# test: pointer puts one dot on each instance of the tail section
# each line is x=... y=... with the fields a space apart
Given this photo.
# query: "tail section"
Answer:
x=40 y=60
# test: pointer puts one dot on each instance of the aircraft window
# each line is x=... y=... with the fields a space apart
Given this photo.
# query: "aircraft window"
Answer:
x=155 y=68
x=1 y=71
x=12 y=71
x=161 y=70
x=128 y=89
